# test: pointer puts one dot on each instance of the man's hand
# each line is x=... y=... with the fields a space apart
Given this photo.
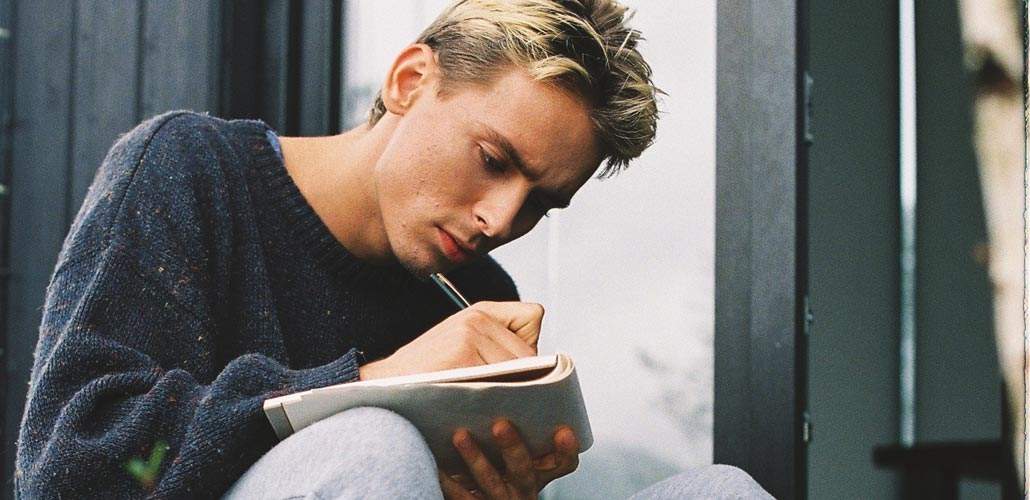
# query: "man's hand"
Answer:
x=523 y=477
x=486 y=332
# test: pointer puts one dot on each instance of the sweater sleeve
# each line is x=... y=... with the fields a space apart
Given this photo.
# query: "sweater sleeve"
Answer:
x=127 y=357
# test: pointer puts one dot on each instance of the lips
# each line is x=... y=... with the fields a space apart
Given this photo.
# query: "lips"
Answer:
x=452 y=249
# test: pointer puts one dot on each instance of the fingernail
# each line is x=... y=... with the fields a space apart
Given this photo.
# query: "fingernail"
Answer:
x=503 y=430
x=462 y=441
x=568 y=437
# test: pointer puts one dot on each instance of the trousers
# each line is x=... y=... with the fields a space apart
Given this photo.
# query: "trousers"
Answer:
x=372 y=453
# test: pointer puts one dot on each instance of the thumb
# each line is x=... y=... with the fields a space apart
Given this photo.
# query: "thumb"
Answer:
x=522 y=318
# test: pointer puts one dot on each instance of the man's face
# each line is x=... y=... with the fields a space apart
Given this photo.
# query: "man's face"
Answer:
x=449 y=183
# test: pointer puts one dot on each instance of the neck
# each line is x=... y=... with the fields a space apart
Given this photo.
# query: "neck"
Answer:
x=335 y=176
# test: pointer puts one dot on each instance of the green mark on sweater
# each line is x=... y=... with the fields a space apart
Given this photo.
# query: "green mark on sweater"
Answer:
x=146 y=472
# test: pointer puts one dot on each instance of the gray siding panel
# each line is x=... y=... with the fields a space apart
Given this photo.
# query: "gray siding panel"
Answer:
x=854 y=247
x=39 y=184
x=316 y=67
x=758 y=375
x=105 y=86
x=181 y=56
x=85 y=72
x=275 y=45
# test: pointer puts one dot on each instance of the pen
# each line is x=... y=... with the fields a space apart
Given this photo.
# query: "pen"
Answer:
x=449 y=289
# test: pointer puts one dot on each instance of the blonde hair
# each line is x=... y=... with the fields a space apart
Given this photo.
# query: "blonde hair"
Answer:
x=581 y=45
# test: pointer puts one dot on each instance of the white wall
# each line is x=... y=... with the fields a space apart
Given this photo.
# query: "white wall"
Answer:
x=627 y=272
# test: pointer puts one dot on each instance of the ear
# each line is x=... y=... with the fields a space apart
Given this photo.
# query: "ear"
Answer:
x=412 y=75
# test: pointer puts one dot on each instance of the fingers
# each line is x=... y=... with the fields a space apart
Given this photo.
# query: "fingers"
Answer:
x=488 y=479
x=518 y=462
x=464 y=480
x=522 y=318
x=497 y=334
x=523 y=474
x=490 y=350
x=564 y=460
x=452 y=489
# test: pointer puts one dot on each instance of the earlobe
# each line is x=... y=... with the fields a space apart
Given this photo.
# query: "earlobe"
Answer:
x=410 y=76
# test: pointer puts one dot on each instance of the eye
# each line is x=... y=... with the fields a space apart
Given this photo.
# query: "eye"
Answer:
x=494 y=165
x=489 y=162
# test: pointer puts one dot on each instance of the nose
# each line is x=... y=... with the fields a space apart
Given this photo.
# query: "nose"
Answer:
x=497 y=212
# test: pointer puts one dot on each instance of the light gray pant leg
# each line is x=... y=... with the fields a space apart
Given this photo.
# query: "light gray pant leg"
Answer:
x=360 y=453
x=709 y=481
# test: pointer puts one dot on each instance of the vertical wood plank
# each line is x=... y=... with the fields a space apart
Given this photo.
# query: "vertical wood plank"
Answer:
x=242 y=80
x=732 y=256
x=43 y=34
x=181 y=56
x=6 y=79
x=340 y=38
x=105 y=91
x=275 y=65
x=316 y=67
x=758 y=373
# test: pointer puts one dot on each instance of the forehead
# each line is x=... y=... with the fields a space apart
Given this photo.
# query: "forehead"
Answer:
x=549 y=127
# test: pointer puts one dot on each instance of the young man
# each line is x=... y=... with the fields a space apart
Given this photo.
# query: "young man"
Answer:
x=214 y=265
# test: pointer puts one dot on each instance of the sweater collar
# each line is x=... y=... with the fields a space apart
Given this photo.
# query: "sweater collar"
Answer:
x=307 y=227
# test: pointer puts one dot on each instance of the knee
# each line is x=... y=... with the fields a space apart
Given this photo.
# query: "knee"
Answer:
x=730 y=482
x=709 y=481
x=369 y=419
x=732 y=479
x=359 y=453
x=379 y=429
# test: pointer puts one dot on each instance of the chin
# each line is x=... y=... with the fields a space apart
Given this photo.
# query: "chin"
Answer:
x=421 y=258
x=421 y=265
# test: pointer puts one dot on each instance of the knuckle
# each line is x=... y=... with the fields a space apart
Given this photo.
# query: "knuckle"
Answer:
x=461 y=338
x=466 y=351
x=466 y=332
x=490 y=481
x=510 y=447
x=476 y=317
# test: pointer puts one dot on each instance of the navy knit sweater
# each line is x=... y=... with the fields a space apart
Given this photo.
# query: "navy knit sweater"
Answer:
x=195 y=283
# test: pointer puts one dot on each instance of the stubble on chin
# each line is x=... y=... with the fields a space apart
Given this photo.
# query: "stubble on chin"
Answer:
x=417 y=266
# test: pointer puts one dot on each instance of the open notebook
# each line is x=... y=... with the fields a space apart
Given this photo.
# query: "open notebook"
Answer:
x=537 y=394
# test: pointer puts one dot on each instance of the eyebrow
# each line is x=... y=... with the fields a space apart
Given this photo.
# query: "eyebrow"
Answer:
x=554 y=199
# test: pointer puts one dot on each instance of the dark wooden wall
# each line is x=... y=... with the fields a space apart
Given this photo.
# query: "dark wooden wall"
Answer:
x=760 y=249
x=6 y=79
x=86 y=71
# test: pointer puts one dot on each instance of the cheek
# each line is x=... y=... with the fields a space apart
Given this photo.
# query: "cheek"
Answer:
x=420 y=192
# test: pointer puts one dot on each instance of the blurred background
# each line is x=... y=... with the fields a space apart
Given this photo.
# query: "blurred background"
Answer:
x=806 y=276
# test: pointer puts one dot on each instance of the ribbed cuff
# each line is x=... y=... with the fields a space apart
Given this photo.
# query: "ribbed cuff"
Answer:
x=344 y=369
